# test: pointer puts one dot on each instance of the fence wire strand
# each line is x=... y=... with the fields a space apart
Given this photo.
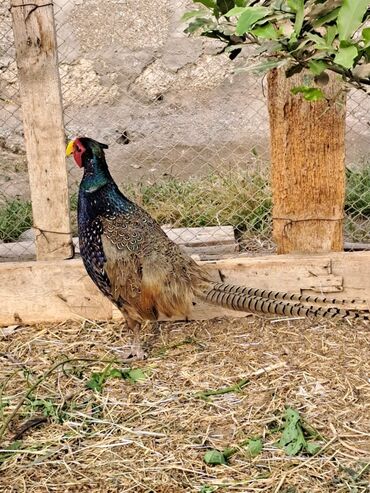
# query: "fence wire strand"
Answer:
x=188 y=140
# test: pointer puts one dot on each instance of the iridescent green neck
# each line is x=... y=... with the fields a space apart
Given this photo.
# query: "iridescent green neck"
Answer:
x=96 y=174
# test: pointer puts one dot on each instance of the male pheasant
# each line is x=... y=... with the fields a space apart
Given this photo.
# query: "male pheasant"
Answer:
x=145 y=274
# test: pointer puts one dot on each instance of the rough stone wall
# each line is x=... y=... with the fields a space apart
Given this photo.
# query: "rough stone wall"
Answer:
x=163 y=101
x=129 y=70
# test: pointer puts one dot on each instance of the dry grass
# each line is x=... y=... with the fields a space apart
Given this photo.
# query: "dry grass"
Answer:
x=151 y=436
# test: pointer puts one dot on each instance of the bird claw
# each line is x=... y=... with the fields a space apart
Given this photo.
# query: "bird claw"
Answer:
x=135 y=352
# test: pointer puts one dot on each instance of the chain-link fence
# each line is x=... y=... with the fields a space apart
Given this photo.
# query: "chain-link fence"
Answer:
x=187 y=139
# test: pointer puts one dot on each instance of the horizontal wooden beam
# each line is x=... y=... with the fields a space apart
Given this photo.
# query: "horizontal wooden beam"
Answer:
x=53 y=291
x=210 y=240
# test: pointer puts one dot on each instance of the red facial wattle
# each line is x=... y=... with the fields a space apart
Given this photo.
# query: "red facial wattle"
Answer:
x=78 y=150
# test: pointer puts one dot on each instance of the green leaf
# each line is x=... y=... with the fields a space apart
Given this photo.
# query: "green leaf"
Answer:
x=366 y=36
x=191 y=13
x=297 y=6
x=249 y=17
x=235 y=11
x=317 y=66
x=225 y=5
x=263 y=67
x=350 y=17
x=345 y=56
x=266 y=31
x=115 y=373
x=136 y=375
x=240 y=3
x=309 y=93
x=331 y=32
x=96 y=381
x=325 y=19
x=293 y=439
x=312 y=448
x=255 y=447
x=318 y=40
x=210 y=4
x=214 y=457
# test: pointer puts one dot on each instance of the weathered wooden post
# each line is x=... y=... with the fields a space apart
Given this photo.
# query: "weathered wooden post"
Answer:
x=308 y=170
x=37 y=61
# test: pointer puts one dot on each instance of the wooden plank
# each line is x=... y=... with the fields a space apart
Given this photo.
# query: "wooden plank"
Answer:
x=36 y=53
x=58 y=290
x=307 y=160
x=212 y=240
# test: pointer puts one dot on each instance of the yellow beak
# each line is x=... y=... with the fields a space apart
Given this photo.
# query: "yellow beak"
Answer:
x=70 y=148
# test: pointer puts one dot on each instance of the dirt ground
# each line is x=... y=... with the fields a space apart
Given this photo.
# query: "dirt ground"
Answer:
x=151 y=435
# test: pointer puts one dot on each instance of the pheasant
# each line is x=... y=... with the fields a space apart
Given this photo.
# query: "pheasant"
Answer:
x=134 y=263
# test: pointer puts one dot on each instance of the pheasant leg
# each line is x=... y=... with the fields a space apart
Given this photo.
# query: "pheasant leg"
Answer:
x=136 y=350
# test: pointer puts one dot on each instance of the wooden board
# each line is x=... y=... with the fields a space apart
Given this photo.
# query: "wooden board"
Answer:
x=213 y=240
x=36 y=53
x=52 y=291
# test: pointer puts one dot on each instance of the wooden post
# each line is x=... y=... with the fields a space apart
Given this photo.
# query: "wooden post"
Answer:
x=36 y=52
x=308 y=171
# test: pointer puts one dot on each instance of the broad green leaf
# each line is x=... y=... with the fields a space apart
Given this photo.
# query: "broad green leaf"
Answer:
x=115 y=373
x=331 y=32
x=249 y=17
x=235 y=11
x=292 y=439
x=263 y=67
x=214 y=457
x=192 y=13
x=136 y=375
x=312 y=448
x=350 y=17
x=240 y=3
x=309 y=93
x=297 y=6
x=96 y=381
x=267 y=31
x=318 y=40
x=211 y=4
x=225 y=5
x=345 y=56
x=317 y=66
x=330 y=16
x=366 y=36
x=254 y=447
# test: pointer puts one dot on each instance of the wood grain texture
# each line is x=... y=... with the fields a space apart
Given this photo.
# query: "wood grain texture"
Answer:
x=308 y=172
x=211 y=240
x=36 y=53
x=53 y=291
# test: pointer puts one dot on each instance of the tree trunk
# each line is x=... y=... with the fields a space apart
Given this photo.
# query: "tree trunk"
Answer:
x=308 y=170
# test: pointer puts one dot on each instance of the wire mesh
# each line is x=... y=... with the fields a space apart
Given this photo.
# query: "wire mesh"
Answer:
x=188 y=139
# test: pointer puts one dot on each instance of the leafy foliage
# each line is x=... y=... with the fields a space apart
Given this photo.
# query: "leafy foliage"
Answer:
x=213 y=457
x=316 y=34
x=98 y=379
x=295 y=437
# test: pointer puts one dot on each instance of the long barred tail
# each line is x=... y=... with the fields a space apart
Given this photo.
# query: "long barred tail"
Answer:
x=248 y=300
x=281 y=295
